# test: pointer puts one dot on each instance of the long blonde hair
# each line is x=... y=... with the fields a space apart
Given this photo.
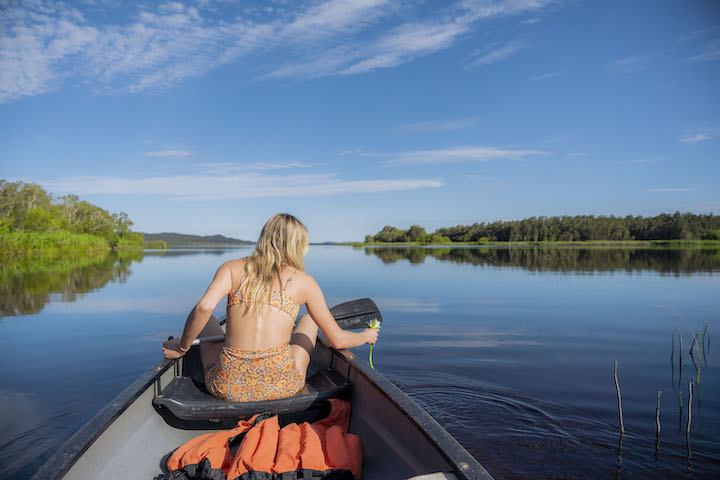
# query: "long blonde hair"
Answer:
x=283 y=241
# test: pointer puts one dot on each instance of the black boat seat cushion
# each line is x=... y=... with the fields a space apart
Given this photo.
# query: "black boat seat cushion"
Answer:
x=186 y=399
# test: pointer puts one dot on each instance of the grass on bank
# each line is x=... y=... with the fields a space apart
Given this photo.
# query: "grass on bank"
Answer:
x=47 y=246
x=42 y=247
x=155 y=245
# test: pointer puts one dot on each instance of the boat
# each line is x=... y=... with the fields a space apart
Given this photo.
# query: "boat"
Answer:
x=134 y=435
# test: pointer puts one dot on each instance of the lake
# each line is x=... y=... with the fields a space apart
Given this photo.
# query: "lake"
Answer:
x=510 y=349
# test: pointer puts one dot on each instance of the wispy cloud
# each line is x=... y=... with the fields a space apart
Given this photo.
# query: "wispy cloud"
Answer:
x=702 y=32
x=711 y=53
x=434 y=127
x=452 y=155
x=645 y=161
x=701 y=135
x=407 y=42
x=171 y=154
x=495 y=53
x=334 y=17
x=248 y=185
x=627 y=65
x=546 y=76
x=45 y=43
x=227 y=167
x=708 y=207
x=669 y=190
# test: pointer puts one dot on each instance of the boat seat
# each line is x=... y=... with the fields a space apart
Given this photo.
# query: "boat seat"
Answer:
x=188 y=400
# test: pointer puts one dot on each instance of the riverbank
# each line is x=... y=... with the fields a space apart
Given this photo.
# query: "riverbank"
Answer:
x=18 y=246
x=586 y=243
x=41 y=247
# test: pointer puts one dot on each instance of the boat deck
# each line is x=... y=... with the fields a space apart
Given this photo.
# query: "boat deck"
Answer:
x=130 y=439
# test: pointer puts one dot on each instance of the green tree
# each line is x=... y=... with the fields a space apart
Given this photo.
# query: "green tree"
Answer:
x=414 y=232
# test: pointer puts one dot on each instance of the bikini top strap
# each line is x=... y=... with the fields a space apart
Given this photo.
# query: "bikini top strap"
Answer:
x=289 y=280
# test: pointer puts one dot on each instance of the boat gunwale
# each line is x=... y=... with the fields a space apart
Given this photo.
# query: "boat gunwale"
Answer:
x=63 y=459
x=466 y=466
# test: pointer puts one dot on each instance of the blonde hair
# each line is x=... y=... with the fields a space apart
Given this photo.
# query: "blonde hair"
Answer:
x=283 y=241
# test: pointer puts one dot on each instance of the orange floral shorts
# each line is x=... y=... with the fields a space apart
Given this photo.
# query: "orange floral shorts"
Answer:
x=251 y=376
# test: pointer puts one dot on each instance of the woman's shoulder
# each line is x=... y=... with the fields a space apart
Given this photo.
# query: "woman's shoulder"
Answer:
x=306 y=281
x=236 y=267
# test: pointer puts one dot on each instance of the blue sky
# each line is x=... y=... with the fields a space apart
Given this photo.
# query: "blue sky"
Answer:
x=210 y=116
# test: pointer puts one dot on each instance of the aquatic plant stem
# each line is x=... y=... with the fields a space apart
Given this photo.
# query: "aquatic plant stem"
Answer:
x=672 y=361
x=657 y=413
x=689 y=420
x=617 y=388
x=679 y=316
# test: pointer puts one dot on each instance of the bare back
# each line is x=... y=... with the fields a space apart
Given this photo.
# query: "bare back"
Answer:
x=270 y=326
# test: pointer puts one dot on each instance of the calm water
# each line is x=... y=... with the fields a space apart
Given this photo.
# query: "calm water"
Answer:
x=511 y=350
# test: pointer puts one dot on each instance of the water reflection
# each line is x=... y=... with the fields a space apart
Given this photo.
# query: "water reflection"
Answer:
x=178 y=252
x=26 y=288
x=556 y=259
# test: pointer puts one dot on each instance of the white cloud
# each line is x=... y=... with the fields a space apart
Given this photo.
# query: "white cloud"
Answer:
x=333 y=17
x=434 y=126
x=233 y=186
x=227 y=167
x=452 y=155
x=407 y=42
x=171 y=154
x=645 y=161
x=708 y=207
x=496 y=53
x=711 y=53
x=669 y=190
x=546 y=76
x=44 y=43
x=699 y=33
x=627 y=65
x=701 y=135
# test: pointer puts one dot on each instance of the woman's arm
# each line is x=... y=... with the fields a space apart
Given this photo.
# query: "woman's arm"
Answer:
x=338 y=338
x=200 y=314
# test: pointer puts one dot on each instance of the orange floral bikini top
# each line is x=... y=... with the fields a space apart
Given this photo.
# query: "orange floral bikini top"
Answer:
x=277 y=299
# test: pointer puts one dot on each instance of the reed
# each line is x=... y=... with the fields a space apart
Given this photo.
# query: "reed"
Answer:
x=680 y=365
x=657 y=413
x=680 y=317
x=16 y=246
x=689 y=418
x=698 y=365
x=617 y=389
x=672 y=361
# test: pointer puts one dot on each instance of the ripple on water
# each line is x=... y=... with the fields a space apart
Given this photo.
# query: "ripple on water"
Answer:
x=519 y=436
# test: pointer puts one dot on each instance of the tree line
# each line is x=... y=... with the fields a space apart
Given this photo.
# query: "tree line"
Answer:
x=677 y=226
x=27 y=207
x=673 y=261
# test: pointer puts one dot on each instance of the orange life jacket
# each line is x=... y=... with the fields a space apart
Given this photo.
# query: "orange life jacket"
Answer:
x=258 y=449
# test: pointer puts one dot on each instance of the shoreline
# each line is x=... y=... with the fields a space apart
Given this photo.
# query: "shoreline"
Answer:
x=578 y=243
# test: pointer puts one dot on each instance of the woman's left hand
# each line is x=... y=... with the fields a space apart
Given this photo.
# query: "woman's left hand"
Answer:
x=171 y=348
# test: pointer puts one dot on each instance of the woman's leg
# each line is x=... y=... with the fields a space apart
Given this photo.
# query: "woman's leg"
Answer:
x=302 y=343
x=210 y=352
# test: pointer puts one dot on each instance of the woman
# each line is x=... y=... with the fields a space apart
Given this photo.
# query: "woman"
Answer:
x=263 y=357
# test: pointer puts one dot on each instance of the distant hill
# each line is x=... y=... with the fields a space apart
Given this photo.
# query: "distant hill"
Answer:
x=184 y=240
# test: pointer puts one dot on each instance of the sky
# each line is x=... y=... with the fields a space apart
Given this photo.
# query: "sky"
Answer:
x=208 y=117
